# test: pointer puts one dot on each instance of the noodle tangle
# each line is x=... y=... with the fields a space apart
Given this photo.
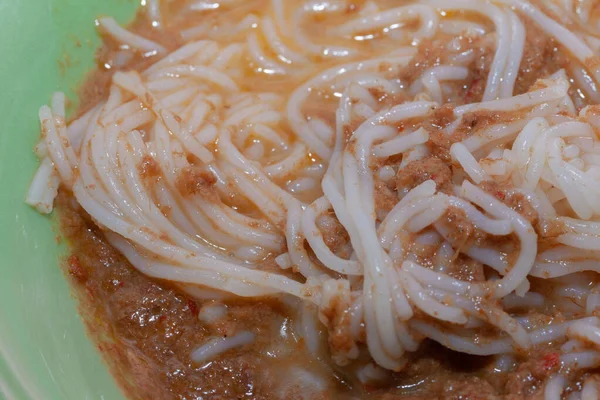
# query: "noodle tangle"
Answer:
x=361 y=190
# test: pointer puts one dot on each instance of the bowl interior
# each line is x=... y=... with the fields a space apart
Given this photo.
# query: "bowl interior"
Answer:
x=46 y=45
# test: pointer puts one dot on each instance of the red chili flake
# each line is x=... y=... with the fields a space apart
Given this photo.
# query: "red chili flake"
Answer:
x=90 y=291
x=472 y=87
x=500 y=194
x=193 y=307
x=76 y=270
x=162 y=318
x=433 y=176
x=550 y=361
x=368 y=388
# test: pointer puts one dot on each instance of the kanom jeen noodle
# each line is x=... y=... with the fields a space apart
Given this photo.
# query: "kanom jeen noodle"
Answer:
x=396 y=172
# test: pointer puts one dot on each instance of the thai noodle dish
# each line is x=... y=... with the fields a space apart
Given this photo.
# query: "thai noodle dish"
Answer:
x=327 y=199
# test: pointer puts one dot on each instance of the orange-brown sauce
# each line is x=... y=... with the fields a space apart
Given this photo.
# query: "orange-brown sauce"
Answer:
x=146 y=329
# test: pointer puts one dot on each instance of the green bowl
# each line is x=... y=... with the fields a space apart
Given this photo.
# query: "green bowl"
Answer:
x=46 y=45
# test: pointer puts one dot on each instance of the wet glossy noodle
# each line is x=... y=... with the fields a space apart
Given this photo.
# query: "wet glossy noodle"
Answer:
x=399 y=172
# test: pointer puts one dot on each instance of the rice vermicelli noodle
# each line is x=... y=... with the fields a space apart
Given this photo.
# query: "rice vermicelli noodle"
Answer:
x=422 y=180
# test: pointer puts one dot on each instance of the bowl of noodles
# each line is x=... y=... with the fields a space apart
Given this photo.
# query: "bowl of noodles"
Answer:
x=271 y=199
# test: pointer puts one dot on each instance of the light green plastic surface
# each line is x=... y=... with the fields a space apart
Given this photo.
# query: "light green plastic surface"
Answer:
x=44 y=352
